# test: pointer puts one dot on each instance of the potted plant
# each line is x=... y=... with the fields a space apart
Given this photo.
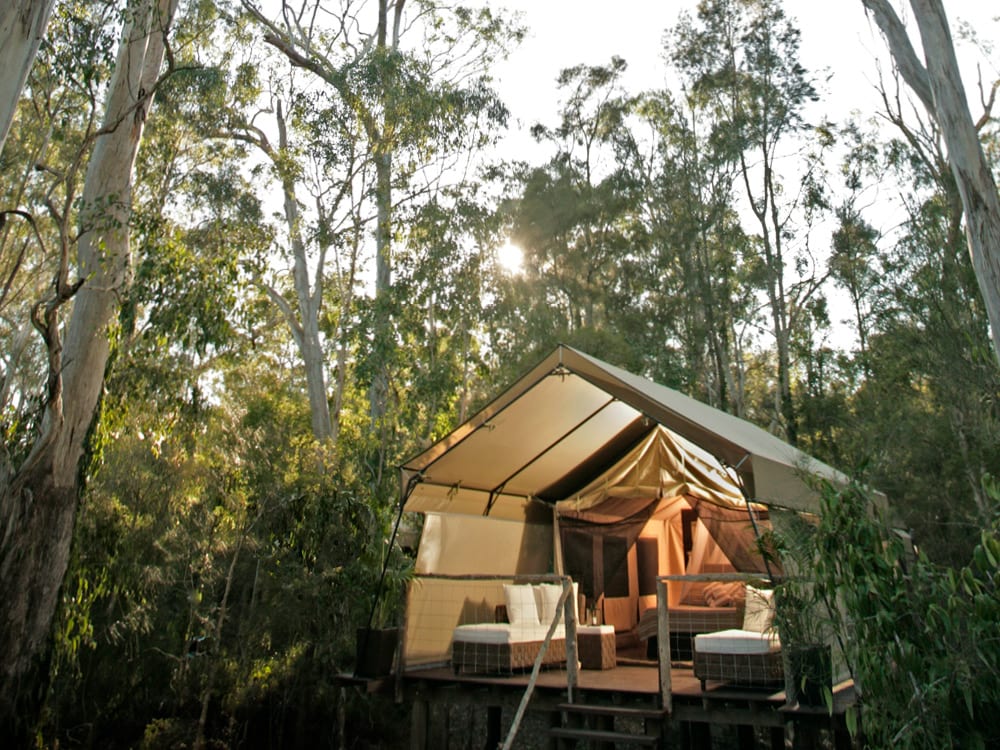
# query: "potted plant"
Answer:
x=377 y=642
x=805 y=644
x=375 y=651
x=801 y=617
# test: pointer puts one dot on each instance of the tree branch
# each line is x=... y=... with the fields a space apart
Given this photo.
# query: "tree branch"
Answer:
x=910 y=67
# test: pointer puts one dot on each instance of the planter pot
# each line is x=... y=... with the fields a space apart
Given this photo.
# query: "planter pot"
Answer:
x=375 y=650
x=811 y=670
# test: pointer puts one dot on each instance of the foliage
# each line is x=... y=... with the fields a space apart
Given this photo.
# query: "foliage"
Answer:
x=224 y=556
x=230 y=568
x=920 y=637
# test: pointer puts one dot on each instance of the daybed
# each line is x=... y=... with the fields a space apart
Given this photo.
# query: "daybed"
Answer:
x=504 y=647
x=738 y=656
x=750 y=655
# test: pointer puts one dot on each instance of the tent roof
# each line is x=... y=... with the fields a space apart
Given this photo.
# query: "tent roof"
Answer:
x=572 y=417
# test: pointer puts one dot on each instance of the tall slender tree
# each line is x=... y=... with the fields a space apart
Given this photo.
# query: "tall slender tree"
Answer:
x=39 y=497
x=741 y=57
x=412 y=84
x=937 y=83
x=22 y=25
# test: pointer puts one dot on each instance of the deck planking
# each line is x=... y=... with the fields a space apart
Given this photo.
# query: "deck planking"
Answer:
x=638 y=681
x=621 y=679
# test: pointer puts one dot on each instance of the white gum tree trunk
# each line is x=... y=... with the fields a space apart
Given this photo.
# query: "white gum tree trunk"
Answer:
x=938 y=85
x=305 y=330
x=38 y=500
x=22 y=24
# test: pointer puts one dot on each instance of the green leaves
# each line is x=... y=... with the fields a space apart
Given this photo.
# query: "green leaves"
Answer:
x=920 y=637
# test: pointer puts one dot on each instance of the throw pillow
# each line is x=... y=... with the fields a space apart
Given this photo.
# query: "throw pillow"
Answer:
x=759 y=613
x=547 y=600
x=521 y=606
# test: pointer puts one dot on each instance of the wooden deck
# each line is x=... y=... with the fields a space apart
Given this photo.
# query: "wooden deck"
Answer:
x=626 y=687
x=628 y=679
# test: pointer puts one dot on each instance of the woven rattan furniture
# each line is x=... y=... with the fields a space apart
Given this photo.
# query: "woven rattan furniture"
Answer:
x=739 y=669
x=740 y=657
x=685 y=622
x=504 y=658
x=596 y=645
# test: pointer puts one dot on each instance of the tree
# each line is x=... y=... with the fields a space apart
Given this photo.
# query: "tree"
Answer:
x=39 y=497
x=938 y=85
x=918 y=637
x=922 y=413
x=741 y=58
x=412 y=97
x=22 y=24
x=701 y=295
x=574 y=217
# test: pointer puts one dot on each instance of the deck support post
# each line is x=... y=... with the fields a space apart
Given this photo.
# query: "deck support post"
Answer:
x=663 y=645
x=570 y=613
x=555 y=721
x=777 y=738
x=494 y=714
x=342 y=718
x=418 y=724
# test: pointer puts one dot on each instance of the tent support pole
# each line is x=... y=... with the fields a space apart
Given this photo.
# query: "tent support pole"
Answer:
x=410 y=486
x=753 y=517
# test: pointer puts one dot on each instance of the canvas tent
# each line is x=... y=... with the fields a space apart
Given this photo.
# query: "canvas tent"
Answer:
x=582 y=467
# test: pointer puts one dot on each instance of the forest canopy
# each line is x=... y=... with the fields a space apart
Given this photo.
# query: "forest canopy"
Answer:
x=251 y=258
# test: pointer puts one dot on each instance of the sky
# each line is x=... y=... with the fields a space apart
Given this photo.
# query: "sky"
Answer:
x=836 y=37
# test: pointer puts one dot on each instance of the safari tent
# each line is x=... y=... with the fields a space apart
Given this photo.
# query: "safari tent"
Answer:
x=582 y=468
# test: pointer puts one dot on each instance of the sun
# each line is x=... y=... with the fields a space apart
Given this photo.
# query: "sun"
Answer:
x=510 y=258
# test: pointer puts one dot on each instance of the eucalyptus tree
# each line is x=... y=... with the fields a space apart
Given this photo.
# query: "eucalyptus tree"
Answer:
x=336 y=205
x=39 y=493
x=926 y=417
x=576 y=216
x=857 y=262
x=22 y=25
x=43 y=164
x=412 y=80
x=739 y=59
x=937 y=83
x=450 y=280
x=701 y=295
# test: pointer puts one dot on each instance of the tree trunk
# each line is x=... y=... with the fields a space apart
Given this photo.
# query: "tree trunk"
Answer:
x=22 y=24
x=939 y=87
x=38 y=505
x=310 y=303
x=382 y=149
x=378 y=398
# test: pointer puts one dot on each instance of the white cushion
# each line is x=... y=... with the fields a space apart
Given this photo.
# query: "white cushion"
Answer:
x=759 y=612
x=487 y=632
x=547 y=600
x=521 y=607
x=737 y=642
x=595 y=630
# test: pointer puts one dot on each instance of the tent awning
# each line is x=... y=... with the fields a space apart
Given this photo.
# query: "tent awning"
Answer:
x=573 y=417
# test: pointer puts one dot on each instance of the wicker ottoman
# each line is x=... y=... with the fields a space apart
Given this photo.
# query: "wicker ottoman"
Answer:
x=597 y=646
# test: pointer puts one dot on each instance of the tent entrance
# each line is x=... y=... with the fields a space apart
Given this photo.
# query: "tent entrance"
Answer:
x=603 y=558
x=616 y=560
